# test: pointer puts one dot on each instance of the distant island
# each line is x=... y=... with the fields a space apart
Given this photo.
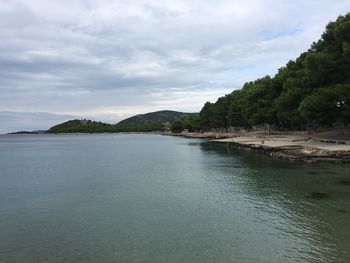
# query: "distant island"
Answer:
x=149 y=122
x=28 y=132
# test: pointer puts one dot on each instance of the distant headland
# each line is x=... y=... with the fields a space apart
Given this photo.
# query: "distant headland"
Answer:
x=159 y=121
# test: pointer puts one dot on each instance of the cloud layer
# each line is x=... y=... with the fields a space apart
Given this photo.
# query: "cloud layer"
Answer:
x=111 y=59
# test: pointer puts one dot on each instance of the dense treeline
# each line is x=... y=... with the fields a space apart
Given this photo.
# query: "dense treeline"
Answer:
x=164 y=116
x=313 y=89
x=149 y=122
x=88 y=126
x=190 y=123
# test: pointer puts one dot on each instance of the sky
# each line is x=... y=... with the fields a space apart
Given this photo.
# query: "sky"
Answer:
x=108 y=60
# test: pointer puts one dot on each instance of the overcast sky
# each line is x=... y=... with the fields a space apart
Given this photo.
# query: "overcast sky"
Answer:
x=107 y=60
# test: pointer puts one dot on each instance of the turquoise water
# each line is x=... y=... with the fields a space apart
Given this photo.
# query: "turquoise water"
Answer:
x=152 y=198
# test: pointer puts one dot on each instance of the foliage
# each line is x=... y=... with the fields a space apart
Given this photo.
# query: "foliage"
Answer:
x=88 y=126
x=80 y=126
x=327 y=105
x=206 y=116
x=191 y=123
x=156 y=117
x=155 y=122
x=235 y=112
x=177 y=127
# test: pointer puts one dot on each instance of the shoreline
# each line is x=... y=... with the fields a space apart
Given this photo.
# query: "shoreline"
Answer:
x=79 y=133
x=290 y=146
x=298 y=147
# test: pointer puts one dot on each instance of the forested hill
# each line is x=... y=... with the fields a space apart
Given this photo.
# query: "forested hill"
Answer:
x=156 y=117
x=80 y=126
x=314 y=89
x=154 y=121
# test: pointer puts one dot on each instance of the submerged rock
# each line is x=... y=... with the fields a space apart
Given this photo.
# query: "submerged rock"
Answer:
x=341 y=211
x=312 y=172
x=317 y=195
x=344 y=181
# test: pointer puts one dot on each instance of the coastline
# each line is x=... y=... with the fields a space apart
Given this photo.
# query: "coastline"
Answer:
x=78 y=133
x=297 y=147
x=290 y=146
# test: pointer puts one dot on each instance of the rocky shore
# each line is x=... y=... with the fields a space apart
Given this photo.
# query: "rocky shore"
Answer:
x=204 y=135
x=291 y=147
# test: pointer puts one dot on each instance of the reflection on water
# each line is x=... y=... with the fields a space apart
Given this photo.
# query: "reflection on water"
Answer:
x=150 y=198
x=276 y=191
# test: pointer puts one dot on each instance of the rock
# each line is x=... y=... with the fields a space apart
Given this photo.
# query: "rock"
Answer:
x=312 y=173
x=341 y=211
x=344 y=181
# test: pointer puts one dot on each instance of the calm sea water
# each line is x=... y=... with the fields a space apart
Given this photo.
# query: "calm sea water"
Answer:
x=151 y=198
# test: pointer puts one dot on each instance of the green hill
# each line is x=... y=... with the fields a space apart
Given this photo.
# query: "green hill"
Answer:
x=80 y=126
x=149 y=122
x=156 y=117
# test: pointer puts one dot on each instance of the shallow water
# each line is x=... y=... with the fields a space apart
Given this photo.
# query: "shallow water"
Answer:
x=152 y=198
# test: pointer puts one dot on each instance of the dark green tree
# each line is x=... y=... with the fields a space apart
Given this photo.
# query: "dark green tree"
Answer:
x=234 y=115
x=192 y=123
x=177 y=127
x=206 y=116
x=220 y=111
x=327 y=105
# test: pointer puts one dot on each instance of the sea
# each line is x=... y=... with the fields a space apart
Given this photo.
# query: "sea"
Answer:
x=153 y=198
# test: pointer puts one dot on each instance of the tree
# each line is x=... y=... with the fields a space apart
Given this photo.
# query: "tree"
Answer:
x=192 y=123
x=287 y=107
x=257 y=100
x=206 y=116
x=343 y=101
x=234 y=115
x=326 y=105
x=177 y=127
x=220 y=111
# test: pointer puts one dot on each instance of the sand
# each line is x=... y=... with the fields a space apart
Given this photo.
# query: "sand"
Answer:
x=289 y=141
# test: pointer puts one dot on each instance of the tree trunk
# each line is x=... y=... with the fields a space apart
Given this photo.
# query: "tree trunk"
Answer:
x=268 y=131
